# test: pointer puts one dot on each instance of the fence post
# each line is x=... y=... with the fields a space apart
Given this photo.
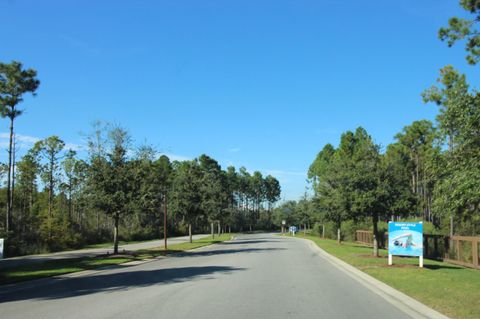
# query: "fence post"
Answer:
x=425 y=245
x=457 y=247
x=447 y=247
x=475 y=252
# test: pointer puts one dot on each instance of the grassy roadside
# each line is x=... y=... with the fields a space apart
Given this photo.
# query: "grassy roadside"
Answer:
x=120 y=243
x=177 y=248
x=450 y=289
x=65 y=266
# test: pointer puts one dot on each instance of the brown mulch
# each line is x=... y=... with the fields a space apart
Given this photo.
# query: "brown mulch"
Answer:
x=128 y=254
x=406 y=266
x=369 y=256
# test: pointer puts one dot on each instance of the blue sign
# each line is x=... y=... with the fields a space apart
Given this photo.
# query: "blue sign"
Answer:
x=405 y=239
x=293 y=229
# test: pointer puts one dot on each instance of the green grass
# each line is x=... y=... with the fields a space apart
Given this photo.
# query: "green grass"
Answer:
x=110 y=244
x=176 y=248
x=57 y=267
x=65 y=266
x=450 y=289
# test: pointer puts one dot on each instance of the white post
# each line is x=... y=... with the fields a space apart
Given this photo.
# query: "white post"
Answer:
x=421 y=261
x=390 y=259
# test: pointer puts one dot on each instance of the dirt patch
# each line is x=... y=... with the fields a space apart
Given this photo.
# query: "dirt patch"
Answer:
x=120 y=255
x=369 y=256
x=396 y=266
x=401 y=266
x=405 y=266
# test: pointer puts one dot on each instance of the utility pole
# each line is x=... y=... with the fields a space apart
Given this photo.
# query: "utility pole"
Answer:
x=165 y=220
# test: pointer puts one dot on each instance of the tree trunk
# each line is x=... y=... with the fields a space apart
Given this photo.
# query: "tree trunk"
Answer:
x=212 y=228
x=413 y=182
x=70 y=202
x=50 y=188
x=451 y=226
x=323 y=231
x=98 y=222
x=375 y=235
x=190 y=232
x=339 y=237
x=115 y=233
x=417 y=174
x=30 y=199
x=219 y=228
x=12 y=196
x=165 y=224
x=8 y=224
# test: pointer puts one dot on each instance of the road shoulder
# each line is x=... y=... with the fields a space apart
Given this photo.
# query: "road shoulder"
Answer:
x=181 y=248
x=412 y=307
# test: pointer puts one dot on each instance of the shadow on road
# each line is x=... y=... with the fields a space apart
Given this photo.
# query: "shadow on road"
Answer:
x=247 y=242
x=224 y=252
x=66 y=288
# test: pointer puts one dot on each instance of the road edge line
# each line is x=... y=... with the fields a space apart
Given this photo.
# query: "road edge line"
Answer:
x=409 y=305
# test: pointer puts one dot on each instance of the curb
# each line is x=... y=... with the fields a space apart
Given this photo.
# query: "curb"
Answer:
x=23 y=285
x=407 y=304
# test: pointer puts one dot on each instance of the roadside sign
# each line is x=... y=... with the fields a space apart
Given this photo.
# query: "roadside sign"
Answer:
x=405 y=239
x=284 y=222
x=293 y=230
x=1 y=248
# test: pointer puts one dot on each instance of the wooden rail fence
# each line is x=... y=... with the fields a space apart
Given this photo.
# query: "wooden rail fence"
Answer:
x=460 y=250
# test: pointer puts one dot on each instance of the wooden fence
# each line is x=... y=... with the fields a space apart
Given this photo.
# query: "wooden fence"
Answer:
x=366 y=237
x=464 y=251
x=460 y=250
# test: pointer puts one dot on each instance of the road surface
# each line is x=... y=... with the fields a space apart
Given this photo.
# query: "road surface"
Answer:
x=32 y=259
x=254 y=276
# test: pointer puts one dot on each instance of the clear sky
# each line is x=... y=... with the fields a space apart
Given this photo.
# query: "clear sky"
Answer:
x=261 y=84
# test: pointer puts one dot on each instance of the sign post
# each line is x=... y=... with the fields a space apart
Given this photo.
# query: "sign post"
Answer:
x=1 y=248
x=405 y=239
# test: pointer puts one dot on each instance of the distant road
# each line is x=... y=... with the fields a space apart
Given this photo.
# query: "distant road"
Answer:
x=31 y=259
x=255 y=276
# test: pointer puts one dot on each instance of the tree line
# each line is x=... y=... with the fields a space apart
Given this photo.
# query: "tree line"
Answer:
x=55 y=199
x=431 y=172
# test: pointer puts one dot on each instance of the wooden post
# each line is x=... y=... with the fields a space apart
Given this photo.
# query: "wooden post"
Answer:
x=165 y=221
x=475 y=253
x=425 y=245
x=457 y=247
x=450 y=242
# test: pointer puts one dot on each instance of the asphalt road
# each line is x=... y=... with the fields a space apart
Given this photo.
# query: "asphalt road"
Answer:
x=32 y=259
x=254 y=276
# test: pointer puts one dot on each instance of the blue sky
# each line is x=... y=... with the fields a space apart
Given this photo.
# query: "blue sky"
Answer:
x=260 y=84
